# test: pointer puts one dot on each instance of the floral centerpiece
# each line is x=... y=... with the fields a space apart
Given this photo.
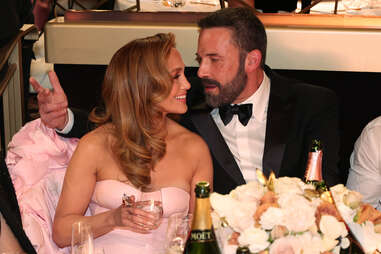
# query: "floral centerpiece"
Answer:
x=283 y=216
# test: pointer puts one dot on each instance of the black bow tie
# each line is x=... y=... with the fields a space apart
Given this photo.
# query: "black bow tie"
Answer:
x=243 y=111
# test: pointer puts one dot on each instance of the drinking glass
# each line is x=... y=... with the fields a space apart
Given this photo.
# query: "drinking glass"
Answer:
x=82 y=238
x=174 y=3
x=151 y=201
x=355 y=5
x=157 y=5
x=179 y=225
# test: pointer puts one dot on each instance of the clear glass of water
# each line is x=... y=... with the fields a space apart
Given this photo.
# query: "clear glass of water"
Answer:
x=82 y=238
x=179 y=225
x=151 y=201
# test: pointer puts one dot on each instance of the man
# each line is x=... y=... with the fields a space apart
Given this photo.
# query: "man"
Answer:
x=284 y=115
x=365 y=172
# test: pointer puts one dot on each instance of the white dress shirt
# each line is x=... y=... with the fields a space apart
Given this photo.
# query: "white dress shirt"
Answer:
x=365 y=172
x=247 y=142
x=69 y=124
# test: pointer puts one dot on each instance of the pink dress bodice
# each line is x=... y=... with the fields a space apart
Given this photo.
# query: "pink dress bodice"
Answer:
x=108 y=195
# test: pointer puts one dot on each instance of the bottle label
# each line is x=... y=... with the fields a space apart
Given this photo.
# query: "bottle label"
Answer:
x=202 y=236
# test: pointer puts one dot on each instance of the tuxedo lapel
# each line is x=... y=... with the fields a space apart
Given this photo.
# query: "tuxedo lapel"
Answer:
x=209 y=131
x=278 y=124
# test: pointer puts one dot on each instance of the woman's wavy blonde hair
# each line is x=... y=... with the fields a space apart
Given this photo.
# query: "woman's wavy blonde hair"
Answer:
x=136 y=81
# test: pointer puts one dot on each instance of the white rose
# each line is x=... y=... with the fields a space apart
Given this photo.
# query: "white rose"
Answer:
x=338 y=191
x=252 y=191
x=288 y=185
x=298 y=212
x=328 y=244
x=255 y=238
x=352 y=199
x=239 y=215
x=339 y=188
x=222 y=204
x=272 y=217
x=331 y=227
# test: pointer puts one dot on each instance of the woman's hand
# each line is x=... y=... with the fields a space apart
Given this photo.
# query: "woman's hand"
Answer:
x=135 y=219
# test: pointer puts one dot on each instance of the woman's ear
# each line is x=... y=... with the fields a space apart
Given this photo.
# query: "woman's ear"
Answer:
x=253 y=60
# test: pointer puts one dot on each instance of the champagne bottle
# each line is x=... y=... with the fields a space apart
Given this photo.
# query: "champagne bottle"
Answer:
x=243 y=250
x=313 y=172
x=202 y=239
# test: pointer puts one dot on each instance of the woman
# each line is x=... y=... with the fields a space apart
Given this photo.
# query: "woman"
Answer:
x=135 y=147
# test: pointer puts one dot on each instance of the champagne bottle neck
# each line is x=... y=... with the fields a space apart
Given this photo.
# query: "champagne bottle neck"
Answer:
x=243 y=250
x=314 y=167
x=202 y=238
x=202 y=219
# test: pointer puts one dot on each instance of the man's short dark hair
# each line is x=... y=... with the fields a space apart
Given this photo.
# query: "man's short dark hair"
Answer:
x=248 y=31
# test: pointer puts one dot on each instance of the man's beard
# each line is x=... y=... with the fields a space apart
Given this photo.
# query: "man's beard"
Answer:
x=231 y=90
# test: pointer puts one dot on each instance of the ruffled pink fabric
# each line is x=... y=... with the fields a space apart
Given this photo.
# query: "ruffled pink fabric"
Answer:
x=37 y=159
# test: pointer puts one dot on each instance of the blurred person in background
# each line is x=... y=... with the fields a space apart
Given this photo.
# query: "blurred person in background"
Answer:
x=365 y=171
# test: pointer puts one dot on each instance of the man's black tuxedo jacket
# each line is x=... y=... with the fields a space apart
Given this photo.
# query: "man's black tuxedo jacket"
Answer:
x=10 y=210
x=297 y=114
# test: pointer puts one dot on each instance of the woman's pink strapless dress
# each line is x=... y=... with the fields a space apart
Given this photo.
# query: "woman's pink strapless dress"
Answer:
x=108 y=195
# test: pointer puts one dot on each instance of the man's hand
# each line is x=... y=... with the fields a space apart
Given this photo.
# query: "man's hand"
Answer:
x=52 y=103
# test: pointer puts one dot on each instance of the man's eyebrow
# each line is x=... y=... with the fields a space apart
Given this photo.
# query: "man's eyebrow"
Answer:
x=209 y=54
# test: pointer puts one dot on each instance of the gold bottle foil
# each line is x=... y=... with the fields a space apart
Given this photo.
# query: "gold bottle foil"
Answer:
x=314 y=166
x=202 y=219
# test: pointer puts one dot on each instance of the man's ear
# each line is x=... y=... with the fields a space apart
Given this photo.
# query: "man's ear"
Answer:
x=253 y=60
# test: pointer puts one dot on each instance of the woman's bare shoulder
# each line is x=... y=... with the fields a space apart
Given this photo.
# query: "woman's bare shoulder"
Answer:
x=96 y=140
x=190 y=140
